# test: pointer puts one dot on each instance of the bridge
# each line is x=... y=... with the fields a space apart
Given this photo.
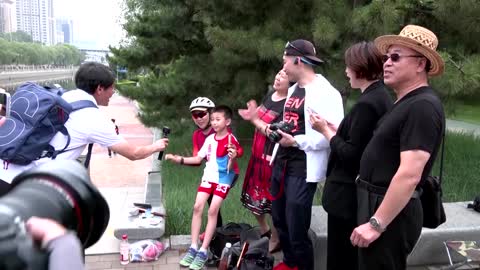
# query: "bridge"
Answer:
x=93 y=51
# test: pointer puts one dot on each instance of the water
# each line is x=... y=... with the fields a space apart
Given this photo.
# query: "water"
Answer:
x=66 y=83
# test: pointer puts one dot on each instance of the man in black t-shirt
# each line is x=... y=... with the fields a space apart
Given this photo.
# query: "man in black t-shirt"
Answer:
x=302 y=156
x=401 y=152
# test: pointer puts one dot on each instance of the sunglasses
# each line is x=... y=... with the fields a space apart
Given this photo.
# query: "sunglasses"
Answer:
x=197 y=115
x=396 y=57
x=290 y=45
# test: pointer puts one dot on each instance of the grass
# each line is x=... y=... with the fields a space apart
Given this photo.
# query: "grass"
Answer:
x=461 y=172
x=466 y=112
x=460 y=180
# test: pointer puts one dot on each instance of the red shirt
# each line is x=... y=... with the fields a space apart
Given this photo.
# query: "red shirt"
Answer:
x=198 y=139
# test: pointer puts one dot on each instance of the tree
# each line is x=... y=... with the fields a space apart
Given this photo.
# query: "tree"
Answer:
x=23 y=53
x=18 y=36
x=230 y=50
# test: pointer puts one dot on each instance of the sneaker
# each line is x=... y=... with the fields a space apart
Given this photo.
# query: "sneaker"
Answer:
x=199 y=261
x=188 y=258
x=201 y=236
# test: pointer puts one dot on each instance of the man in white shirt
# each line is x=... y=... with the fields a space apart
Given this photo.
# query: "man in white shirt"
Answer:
x=301 y=160
x=95 y=82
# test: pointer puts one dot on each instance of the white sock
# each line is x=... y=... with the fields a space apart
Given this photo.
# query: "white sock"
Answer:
x=203 y=250
x=194 y=246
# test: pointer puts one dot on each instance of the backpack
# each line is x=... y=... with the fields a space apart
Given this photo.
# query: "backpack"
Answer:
x=475 y=205
x=229 y=233
x=37 y=114
x=256 y=256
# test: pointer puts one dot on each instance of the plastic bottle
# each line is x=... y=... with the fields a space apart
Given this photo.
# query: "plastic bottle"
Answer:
x=227 y=250
x=124 y=250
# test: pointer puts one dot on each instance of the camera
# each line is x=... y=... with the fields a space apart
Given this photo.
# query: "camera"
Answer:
x=59 y=190
x=286 y=127
x=165 y=133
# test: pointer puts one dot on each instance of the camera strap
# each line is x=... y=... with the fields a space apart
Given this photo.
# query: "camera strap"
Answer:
x=89 y=155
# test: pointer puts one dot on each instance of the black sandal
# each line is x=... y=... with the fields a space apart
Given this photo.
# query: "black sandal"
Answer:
x=267 y=234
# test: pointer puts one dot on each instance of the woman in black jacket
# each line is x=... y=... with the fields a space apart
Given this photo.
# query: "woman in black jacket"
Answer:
x=364 y=69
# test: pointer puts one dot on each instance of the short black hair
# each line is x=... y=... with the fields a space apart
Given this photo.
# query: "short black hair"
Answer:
x=90 y=75
x=365 y=60
x=227 y=112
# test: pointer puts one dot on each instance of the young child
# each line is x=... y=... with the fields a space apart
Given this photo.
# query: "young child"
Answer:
x=221 y=150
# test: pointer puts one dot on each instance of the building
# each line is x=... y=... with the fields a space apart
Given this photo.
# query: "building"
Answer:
x=8 y=19
x=35 y=17
x=64 y=28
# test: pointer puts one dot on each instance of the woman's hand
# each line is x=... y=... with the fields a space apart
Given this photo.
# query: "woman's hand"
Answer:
x=249 y=114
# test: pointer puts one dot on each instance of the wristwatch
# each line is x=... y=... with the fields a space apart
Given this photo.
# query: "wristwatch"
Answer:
x=376 y=224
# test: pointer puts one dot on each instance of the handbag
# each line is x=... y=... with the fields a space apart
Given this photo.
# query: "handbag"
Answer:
x=431 y=198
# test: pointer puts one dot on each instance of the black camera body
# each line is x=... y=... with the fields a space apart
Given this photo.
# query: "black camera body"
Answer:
x=60 y=190
x=165 y=133
x=286 y=127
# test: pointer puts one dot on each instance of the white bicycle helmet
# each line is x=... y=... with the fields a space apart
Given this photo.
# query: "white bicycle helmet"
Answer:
x=201 y=102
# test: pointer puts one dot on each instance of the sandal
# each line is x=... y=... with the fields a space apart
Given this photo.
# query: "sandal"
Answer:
x=274 y=247
x=267 y=234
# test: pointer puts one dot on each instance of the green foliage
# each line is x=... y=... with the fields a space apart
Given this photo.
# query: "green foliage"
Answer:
x=18 y=36
x=461 y=170
x=24 y=53
x=231 y=50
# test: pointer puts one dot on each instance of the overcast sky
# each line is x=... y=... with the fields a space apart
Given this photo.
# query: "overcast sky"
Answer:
x=96 y=23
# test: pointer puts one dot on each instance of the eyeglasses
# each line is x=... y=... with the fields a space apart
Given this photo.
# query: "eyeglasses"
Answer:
x=293 y=47
x=396 y=57
x=197 y=115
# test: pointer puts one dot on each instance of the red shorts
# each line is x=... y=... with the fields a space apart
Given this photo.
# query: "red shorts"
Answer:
x=213 y=188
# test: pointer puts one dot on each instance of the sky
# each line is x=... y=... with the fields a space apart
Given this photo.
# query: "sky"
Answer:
x=96 y=23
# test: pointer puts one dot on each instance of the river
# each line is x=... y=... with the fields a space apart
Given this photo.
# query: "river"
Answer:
x=10 y=81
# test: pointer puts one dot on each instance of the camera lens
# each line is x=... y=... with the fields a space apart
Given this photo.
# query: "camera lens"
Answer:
x=60 y=190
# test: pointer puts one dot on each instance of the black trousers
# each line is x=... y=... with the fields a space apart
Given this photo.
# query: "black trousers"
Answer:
x=4 y=187
x=341 y=254
x=292 y=214
x=390 y=250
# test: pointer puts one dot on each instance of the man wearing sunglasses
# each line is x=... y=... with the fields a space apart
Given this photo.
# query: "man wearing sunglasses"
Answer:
x=300 y=159
x=401 y=153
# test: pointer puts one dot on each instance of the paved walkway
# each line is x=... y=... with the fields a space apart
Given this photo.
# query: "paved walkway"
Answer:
x=120 y=180
x=460 y=126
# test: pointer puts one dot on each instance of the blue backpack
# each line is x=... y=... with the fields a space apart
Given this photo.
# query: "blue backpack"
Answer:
x=36 y=115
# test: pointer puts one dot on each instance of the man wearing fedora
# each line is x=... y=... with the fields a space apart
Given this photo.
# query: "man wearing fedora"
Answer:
x=401 y=153
x=300 y=158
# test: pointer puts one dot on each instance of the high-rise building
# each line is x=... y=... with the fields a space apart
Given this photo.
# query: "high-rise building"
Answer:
x=64 y=28
x=8 y=21
x=35 y=17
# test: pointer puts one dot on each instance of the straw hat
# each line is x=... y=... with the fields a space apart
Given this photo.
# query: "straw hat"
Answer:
x=416 y=38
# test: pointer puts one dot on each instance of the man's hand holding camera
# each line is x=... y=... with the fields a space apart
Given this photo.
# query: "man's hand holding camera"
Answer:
x=287 y=140
x=161 y=144
x=44 y=230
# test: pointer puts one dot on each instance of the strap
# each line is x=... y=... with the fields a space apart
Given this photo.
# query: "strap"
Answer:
x=76 y=105
x=89 y=155
x=80 y=104
x=441 y=159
